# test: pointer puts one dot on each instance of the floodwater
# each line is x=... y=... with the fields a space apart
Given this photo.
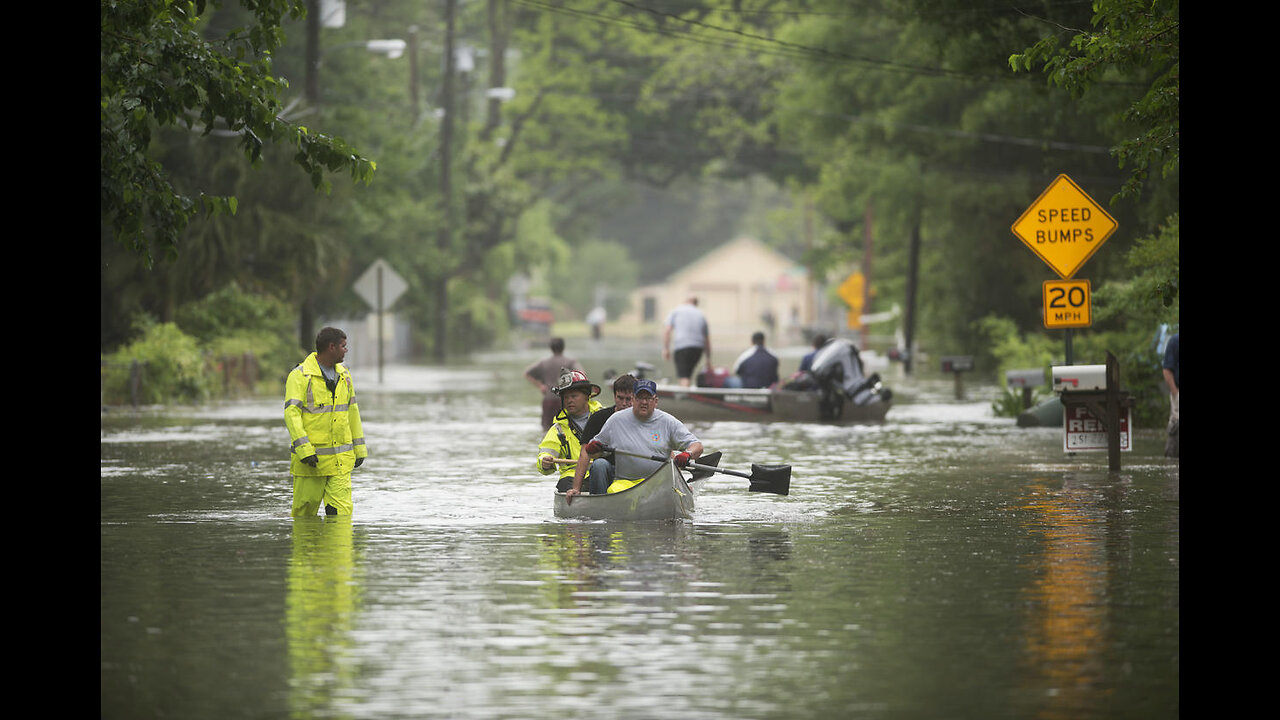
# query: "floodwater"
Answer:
x=942 y=564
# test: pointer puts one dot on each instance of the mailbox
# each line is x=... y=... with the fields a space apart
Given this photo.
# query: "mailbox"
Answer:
x=1024 y=378
x=1076 y=378
x=956 y=363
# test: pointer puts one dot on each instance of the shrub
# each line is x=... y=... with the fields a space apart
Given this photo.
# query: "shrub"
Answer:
x=173 y=366
x=1013 y=350
x=232 y=324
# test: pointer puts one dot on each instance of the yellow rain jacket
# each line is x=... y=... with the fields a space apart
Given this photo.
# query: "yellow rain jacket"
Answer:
x=322 y=423
x=561 y=442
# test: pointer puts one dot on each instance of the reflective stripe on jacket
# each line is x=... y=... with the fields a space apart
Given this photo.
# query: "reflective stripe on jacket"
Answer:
x=568 y=448
x=322 y=423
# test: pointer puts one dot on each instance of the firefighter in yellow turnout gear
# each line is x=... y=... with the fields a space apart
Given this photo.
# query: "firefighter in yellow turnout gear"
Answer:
x=564 y=438
x=324 y=426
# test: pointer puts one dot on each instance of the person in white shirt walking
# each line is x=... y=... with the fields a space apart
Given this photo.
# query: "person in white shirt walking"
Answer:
x=686 y=338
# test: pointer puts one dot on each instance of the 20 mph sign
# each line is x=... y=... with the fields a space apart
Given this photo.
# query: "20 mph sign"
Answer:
x=1064 y=226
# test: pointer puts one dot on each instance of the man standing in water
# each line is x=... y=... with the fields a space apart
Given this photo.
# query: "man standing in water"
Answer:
x=1170 y=372
x=545 y=373
x=686 y=332
x=323 y=419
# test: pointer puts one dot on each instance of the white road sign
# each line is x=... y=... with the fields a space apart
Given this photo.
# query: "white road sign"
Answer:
x=393 y=286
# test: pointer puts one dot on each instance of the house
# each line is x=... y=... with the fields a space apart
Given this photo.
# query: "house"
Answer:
x=742 y=286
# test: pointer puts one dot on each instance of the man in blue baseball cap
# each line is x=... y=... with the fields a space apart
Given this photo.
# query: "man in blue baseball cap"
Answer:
x=644 y=431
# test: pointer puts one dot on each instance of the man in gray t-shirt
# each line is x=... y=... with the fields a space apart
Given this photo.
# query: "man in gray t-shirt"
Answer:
x=644 y=430
x=685 y=338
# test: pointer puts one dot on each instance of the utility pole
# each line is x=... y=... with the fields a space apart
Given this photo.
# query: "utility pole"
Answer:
x=311 y=85
x=866 y=271
x=497 y=64
x=445 y=238
x=913 y=274
x=413 y=75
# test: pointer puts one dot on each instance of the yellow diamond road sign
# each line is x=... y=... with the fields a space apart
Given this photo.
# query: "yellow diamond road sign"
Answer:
x=851 y=290
x=1064 y=226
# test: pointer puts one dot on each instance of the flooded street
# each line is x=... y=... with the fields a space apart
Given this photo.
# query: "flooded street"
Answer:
x=944 y=563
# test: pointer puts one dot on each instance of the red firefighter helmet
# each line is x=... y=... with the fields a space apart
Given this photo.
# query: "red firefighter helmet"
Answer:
x=575 y=380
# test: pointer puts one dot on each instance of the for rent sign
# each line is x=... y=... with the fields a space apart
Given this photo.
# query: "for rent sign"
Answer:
x=1084 y=431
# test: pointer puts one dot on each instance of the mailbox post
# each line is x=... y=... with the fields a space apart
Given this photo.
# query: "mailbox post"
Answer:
x=956 y=364
x=1025 y=379
x=1092 y=399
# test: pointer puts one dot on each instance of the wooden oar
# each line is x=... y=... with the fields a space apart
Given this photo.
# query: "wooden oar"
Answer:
x=774 y=479
x=699 y=473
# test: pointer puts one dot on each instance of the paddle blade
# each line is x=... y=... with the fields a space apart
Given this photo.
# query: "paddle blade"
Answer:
x=708 y=460
x=774 y=479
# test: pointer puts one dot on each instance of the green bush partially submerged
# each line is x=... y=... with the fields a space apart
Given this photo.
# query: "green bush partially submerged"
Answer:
x=228 y=342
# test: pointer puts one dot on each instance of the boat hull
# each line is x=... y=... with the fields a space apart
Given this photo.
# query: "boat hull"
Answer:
x=703 y=404
x=664 y=495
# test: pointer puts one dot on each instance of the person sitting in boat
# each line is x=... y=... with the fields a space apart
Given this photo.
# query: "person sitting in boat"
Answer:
x=645 y=431
x=623 y=394
x=755 y=367
x=565 y=437
x=806 y=362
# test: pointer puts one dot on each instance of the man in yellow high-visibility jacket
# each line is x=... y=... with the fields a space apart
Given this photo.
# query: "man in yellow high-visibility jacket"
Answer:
x=324 y=425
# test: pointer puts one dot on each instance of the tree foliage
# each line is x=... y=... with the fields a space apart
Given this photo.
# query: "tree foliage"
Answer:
x=1138 y=39
x=653 y=131
x=159 y=70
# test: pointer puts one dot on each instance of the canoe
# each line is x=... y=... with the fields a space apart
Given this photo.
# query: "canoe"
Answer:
x=703 y=404
x=664 y=495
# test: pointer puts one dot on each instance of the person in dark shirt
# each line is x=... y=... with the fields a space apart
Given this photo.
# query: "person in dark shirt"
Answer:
x=806 y=363
x=545 y=373
x=756 y=367
x=623 y=397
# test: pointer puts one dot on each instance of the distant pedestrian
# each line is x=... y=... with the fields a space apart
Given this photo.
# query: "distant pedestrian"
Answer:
x=596 y=319
x=324 y=425
x=1170 y=372
x=545 y=373
x=686 y=338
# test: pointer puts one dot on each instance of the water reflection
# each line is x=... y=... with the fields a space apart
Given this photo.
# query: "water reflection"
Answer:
x=1066 y=619
x=323 y=600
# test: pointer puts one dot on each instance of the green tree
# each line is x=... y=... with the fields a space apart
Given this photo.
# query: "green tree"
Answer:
x=159 y=70
x=1141 y=39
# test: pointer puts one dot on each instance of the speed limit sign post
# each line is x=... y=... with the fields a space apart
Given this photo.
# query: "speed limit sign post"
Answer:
x=1066 y=304
x=1064 y=227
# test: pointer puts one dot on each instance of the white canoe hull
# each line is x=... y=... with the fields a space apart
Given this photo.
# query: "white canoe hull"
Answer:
x=664 y=495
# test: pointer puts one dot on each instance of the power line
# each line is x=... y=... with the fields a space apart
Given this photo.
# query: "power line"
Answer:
x=758 y=43
x=636 y=25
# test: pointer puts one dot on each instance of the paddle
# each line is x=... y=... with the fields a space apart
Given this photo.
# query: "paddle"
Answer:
x=699 y=473
x=774 y=479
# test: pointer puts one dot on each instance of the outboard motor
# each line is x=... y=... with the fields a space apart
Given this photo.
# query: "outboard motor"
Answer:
x=838 y=370
x=642 y=368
